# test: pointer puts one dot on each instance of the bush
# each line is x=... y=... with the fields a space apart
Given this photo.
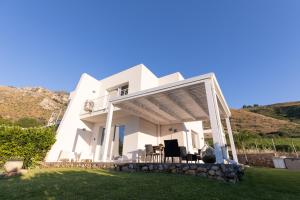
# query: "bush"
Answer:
x=31 y=144
x=27 y=122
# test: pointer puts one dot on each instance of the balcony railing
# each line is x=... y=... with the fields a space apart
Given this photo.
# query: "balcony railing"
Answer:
x=100 y=103
x=94 y=105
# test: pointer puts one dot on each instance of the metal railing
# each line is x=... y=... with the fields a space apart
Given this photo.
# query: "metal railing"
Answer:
x=94 y=105
x=100 y=103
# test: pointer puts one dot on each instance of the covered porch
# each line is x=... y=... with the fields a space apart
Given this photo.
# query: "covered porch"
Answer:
x=184 y=102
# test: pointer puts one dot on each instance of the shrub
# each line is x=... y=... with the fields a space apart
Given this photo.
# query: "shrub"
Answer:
x=31 y=144
x=27 y=122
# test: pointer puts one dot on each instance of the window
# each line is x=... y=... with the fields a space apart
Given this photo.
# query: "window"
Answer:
x=123 y=90
x=118 y=90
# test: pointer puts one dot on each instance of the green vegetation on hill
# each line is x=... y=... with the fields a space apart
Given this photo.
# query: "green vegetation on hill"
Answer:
x=284 y=111
x=24 y=122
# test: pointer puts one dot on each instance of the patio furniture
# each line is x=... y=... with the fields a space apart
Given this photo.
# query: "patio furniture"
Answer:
x=171 y=149
x=150 y=152
x=199 y=155
x=186 y=156
x=160 y=150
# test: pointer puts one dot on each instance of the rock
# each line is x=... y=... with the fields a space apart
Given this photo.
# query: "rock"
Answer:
x=166 y=166
x=185 y=168
x=150 y=167
x=160 y=167
x=130 y=166
x=173 y=171
x=211 y=172
x=125 y=169
x=145 y=168
x=193 y=166
x=172 y=167
x=202 y=174
x=202 y=169
x=231 y=175
x=48 y=104
x=190 y=172
x=220 y=178
x=218 y=173
x=215 y=167
x=223 y=167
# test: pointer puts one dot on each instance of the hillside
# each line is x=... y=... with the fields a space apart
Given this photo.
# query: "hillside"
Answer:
x=289 y=111
x=244 y=120
x=37 y=102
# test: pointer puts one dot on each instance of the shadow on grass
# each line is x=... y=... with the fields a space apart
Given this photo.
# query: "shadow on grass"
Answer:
x=101 y=184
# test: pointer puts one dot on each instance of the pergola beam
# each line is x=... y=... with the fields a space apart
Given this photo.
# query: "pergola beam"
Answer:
x=134 y=109
x=148 y=110
x=179 y=106
x=157 y=108
x=163 y=108
x=195 y=101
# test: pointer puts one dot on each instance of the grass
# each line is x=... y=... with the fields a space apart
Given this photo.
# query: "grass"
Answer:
x=258 y=183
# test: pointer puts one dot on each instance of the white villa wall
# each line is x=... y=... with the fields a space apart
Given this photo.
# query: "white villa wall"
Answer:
x=148 y=79
x=168 y=135
x=148 y=134
x=132 y=76
x=87 y=88
x=197 y=127
x=171 y=78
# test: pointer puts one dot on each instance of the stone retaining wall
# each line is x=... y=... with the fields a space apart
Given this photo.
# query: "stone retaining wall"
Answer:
x=257 y=159
x=228 y=173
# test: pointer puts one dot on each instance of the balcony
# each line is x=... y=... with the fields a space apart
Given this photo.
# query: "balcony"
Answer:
x=95 y=105
x=100 y=104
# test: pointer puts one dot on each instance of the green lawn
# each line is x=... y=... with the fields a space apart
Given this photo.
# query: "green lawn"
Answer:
x=258 y=183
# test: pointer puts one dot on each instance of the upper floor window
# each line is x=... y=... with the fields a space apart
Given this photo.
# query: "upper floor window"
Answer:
x=123 y=90
x=119 y=90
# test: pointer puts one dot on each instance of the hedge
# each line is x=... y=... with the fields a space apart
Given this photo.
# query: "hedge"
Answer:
x=30 y=144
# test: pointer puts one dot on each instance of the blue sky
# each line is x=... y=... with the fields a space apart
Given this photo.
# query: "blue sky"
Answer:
x=252 y=46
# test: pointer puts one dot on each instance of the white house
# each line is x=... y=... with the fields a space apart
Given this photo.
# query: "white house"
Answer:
x=119 y=115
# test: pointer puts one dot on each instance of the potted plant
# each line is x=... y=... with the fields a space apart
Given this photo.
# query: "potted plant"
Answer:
x=208 y=155
x=13 y=164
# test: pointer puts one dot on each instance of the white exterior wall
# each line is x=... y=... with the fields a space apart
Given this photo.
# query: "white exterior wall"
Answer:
x=71 y=126
x=170 y=78
x=169 y=135
x=148 y=134
x=197 y=127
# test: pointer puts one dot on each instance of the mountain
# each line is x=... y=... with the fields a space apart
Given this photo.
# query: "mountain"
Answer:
x=289 y=111
x=30 y=102
x=280 y=118
x=245 y=120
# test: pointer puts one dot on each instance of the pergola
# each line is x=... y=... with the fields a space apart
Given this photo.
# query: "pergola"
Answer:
x=194 y=99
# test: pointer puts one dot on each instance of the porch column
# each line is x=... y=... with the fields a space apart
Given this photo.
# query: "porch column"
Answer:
x=200 y=135
x=232 y=145
x=107 y=131
x=215 y=121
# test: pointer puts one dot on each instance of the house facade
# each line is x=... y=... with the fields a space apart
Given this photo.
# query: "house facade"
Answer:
x=114 y=118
